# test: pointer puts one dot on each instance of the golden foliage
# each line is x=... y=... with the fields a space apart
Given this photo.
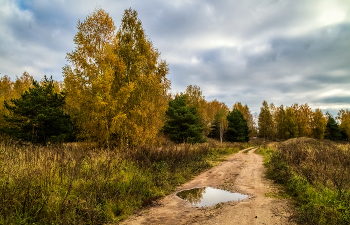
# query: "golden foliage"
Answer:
x=319 y=123
x=145 y=109
x=12 y=90
x=344 y=118
x=194 y=97
x=115 y=82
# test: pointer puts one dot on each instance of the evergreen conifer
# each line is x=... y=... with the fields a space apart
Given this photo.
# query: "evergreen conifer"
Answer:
x=238 y=130
x=332 y=130
x=38 y=115
x=183 y=124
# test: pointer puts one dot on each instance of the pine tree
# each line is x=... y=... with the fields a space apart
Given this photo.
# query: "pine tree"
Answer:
x=183 y=124
x=38 y=116
x=247 y=115
x=332 y=129
x=238 y=130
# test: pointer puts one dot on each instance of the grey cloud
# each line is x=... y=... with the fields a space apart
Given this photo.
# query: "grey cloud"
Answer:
x=246 y=51
x=335 y=100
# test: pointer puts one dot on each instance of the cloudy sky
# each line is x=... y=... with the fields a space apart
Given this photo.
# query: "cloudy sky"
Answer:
x=281 y=51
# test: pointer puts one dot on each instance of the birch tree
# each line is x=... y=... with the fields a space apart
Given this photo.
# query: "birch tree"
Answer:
x=93 y=79
x=12 y=90
x=319 y=123
x=291 y=125
x=146 y=72
x=265 y=122
x=213 y=109
x=115 y=81
x=220 y=125
x=344 y=118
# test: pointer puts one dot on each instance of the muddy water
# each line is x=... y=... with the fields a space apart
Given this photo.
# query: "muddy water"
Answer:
x=208 y=196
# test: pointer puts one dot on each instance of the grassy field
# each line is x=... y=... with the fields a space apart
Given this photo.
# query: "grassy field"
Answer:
x=83 y=184
x=316 y=174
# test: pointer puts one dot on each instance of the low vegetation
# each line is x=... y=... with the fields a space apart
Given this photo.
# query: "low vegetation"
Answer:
x=84 y=184
x=316 y=174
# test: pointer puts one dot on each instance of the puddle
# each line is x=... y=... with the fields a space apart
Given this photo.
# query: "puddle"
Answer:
x=208 y=196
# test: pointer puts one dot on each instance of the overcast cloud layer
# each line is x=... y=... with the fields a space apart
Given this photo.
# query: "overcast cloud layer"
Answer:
x=281 y=51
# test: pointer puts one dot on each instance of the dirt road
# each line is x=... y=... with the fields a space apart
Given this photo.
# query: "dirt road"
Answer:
x=241 y=172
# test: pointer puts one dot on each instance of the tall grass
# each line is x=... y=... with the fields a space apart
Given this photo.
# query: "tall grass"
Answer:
x=83 y=184
x=317 y=175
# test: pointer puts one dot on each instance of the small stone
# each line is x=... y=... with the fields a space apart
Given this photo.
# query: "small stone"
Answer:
x=256 y=217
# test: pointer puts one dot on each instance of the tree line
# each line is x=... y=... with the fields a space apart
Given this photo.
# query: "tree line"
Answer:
x=115 y=91
x=301 y=121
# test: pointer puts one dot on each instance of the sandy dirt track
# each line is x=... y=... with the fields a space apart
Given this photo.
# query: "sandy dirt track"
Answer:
x=243 y=173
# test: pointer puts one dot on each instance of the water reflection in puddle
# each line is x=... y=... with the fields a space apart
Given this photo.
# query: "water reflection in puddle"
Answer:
x=208 y=196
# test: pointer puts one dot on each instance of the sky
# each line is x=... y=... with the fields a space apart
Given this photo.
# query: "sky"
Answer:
x=281 y=51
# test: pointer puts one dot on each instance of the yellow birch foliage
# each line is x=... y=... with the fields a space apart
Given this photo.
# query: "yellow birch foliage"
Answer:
x=12 y=90
x=95 y=95
x=291 y=123
x=22 y=84
x=280 y=121
x=206 y=110
x=319 y=123
x=344 y=118
x=116 y=84
x=303 y=114
x=213 y=107
x=265 y=122
x=6 y=86
x=146 y=71
x=194 y=97
x=217 y=112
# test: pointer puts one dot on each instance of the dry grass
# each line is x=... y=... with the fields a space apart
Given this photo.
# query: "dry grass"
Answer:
x=317 y=174
x=83 y=184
